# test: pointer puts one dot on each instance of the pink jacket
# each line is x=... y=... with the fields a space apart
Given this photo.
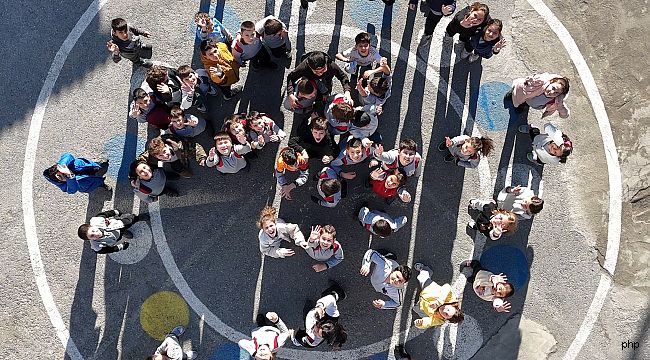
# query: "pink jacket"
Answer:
x=522 y=92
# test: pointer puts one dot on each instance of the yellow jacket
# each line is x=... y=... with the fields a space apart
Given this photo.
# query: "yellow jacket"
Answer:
x=227 y=64
x=431 y=298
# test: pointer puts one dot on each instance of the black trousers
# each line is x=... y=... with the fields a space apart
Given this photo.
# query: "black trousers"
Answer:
x=431 y=23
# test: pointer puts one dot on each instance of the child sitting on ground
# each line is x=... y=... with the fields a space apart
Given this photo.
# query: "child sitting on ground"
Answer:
x=551 y=148
x=72 y=174
x=355 y=152
x=488 y=286
x=323 y=247
x=405 y=158
x=228 y=158
x=208 y=27
x=375 y=90
x=105 y=230
x=307 y=99
x=388 y=184
x=339 y=114
x=123 y=45
x=330 y=188
x=247 y=46
x=361 y=56
x=220 y=64
x=466 y=151
x=485 y=43
x=273 y=231
x=149 y=183
x=261 y=129
x=380 y=223
x=185 y=125
x=314 y=138
x=275 y=36
x=145 y=108
x=491 y=221
x=165 y=84
x=520 y=200
x=289 y=159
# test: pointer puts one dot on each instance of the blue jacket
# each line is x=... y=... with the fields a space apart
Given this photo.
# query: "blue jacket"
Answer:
x=84 y=181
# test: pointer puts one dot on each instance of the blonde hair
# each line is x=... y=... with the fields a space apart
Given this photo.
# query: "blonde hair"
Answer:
x=269 y=213
x=512 y=222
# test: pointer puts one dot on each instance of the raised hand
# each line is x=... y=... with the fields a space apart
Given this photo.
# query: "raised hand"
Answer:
x=448 y=141
x=315 y=233
x=112 y=47
x=379 y=149
x=499 y=45
x=163 y=88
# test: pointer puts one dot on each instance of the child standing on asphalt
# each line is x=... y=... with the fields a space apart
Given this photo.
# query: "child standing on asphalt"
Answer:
x=434 y=10
x=469 y=21
x=405 y=158
x=361 y=56
x=387 y=277
x=355 y=152
x=209 y=27
x=220 y=64
x=123 y=45
x=492 y=221
x=485 y=43
x=436 y=304
x=228 y=158
x=185 y=125
x=105 y=230
x=323 y=247
x=290 y=160
x=149 y=183
x=247 y=46
x=314 y=138
x=146 y=109
x=375 y=90
x=266 y=340
x=380 y=223
x=541 y=92
x=520 y=200
x=466 y=151
x=165 y=84
x=553 y=147
x=488 y=286
x=171 y=348
x=330 y=188
x=262 y=130
x=306 y=97
x=273 y=231
x=275 y=36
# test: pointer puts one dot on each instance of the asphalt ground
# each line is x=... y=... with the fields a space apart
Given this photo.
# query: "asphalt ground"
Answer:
x=210 y=230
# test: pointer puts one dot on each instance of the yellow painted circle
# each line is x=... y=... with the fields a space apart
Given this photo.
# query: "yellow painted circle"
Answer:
x=161 y=312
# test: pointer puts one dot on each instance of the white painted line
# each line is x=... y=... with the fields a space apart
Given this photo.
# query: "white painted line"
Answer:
x=31 y=235
x=613 y=170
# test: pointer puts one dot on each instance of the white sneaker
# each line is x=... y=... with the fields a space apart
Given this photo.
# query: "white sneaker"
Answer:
x=471 y=224
x=191 y=354
x=295 y=341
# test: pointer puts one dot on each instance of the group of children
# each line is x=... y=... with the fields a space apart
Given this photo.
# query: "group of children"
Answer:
x=335 y=131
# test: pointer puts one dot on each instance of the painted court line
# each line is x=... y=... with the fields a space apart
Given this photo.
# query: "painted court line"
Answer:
x=614 y=226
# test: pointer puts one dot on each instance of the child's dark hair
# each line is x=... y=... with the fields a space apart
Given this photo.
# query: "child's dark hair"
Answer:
x=82 y=232
x=272 y=26
x=354 y=143
x=362 y=38
x=496 y=22
x=332 y=332
x=330 y=187
x=156 y=146
x=567 y=148
x=289 y=156
x=483 y=144
x=247 y=25
x=408 y=144
x=401 y=178
x=382 y=228
x=511 y=290
x=305 y=86
x=155 y=75
x=405 y=270
x=379 y=85
x=317 y=60
x=208 y=44
x=175 y=112
x=459 y=316
x=51 y=172
x=319 y=123
x=361 y=119
x=343 y=112
x=133 y=167
x=230 y=121
x=139 y=93
x=119 y=24
x=536 y=205
x=564 y=82
x=184 y=71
